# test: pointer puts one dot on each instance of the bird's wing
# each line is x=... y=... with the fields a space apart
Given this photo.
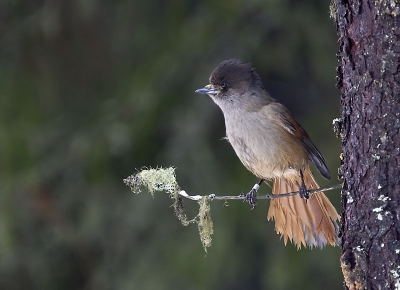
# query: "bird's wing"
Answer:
x=295 y=128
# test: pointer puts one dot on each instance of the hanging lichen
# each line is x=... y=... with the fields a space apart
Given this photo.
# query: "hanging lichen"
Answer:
x=164 y=179
x=205 y=223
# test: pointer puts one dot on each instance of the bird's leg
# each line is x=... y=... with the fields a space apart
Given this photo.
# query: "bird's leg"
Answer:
x=303 y=189
x=251 y=196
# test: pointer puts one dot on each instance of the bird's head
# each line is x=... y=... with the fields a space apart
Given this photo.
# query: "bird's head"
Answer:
x=231 y=78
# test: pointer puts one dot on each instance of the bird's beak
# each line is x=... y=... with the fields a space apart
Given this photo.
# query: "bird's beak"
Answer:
x=208 y=90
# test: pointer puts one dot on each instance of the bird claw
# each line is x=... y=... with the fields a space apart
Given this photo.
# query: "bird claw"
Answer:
x=303 y=192
x=251 y=198
x=303 y=189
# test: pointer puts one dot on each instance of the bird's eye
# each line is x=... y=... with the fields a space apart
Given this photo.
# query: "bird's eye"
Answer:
x=224 y=86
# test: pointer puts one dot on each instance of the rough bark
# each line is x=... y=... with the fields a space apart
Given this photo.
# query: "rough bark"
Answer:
x=369 y=79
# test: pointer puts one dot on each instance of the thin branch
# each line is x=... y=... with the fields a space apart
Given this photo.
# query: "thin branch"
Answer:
x=267 y=196
x=164 y=179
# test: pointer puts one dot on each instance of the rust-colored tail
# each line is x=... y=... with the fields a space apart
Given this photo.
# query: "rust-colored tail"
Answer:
x=309 y=223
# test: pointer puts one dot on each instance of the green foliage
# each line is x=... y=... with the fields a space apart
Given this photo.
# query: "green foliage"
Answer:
x=90 y=90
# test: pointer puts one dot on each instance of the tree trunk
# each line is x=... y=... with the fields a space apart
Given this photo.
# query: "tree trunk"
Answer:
x=369 y=78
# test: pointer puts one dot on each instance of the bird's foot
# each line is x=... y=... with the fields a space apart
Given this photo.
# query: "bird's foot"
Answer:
x=251 y=196
x=303 y=192
x=303 y=189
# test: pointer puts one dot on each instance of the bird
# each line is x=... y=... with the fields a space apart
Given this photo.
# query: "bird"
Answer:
x=273 y=146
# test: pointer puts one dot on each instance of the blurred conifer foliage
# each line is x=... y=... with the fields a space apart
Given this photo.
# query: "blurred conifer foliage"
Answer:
x=91 y=90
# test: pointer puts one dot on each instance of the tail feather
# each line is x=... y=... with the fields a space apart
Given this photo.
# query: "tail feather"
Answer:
x=309 y=222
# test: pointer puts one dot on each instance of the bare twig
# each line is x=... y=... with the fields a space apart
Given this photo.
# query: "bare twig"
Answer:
x=267 y=196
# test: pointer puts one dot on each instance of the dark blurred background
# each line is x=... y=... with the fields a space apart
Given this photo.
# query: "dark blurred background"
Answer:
x=91 y=90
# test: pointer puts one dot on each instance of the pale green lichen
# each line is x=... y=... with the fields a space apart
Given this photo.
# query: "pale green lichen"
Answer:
x=164 y=179
x=205 y=223
x=332 y=10
x=387 y=7
x=159 y=179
